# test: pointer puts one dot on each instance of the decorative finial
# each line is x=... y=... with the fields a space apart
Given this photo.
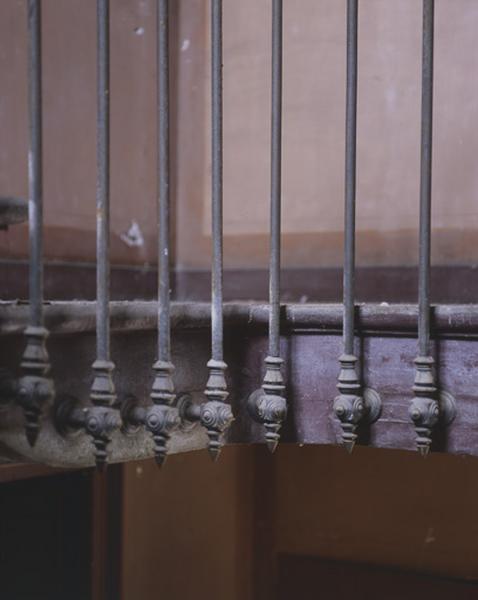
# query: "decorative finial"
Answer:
x=97 y=421
x=35 y=389
x=162 y=418
x=354 y=406
x=102 y=418
x=216 y=414
x=424 y=409
x=349 y=406
x=268 y=405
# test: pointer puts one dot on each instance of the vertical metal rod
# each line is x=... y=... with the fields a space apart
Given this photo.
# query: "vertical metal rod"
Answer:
x=349 y=405
x=102 y=419
x=35 y=170
x=103 y=185
x=424 y=410
x=164 y=332
x=216 y=415
x=161 y=417
x=217 y=187
x=276 y=180
x=425 y=180
x=35 y=389
x=268 y=406
x=350 y=178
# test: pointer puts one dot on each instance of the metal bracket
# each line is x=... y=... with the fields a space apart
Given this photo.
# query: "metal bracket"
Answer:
x=447 y=404
x=214 y=415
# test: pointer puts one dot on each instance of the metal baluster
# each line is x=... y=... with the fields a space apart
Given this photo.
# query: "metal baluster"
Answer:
x=100 y=419
x=424 y=409
x=35 y=388
x=161 y=417
x=353 y=405
x=215 y=414
x=268 y=405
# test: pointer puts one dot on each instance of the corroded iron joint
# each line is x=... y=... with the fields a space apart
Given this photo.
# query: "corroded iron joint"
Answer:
x=350 y=410
x=161 y=420
x=424 y=409
x=100 y=422
x=349 y=406
x=215 y=414
x=102 y=389
x=268 y=405
x=35 y=390
x=162 y=391
x=102 y=418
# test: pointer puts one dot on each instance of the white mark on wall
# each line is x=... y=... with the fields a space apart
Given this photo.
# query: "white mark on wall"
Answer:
x=185 y=45
x=134 y=236
x=139 y=30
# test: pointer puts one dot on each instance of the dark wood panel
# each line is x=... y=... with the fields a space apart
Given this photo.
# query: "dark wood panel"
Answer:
x=45 y=538
x=304 y=578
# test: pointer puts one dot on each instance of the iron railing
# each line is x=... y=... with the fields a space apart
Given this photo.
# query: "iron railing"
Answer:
x=107 y=413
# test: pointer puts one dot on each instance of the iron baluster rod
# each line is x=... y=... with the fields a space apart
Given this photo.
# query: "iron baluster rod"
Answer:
x=217 y=182
x=161 y=418
x=352 y=405
x=164 y=327
x=101 y=420
x=35 y=166
x=268 y=405
x=276 y=179
x=35 y=389
x=215 y=414
x=350 y=178
x=424 y=410
x=103 y=185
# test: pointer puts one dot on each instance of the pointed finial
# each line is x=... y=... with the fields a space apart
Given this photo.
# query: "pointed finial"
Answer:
x=216 y=415
x=424 y=409
x=161 y=420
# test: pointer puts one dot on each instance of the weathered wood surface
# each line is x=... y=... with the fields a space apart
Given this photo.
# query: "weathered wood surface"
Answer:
x=385 y=342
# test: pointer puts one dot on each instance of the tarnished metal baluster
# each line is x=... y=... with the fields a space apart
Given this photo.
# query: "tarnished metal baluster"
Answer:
x=424 y=409
x=161 y=417
x=268 y=405
x=102 y=418
x=215 y=414
x=352 y=405
x=35 y=388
